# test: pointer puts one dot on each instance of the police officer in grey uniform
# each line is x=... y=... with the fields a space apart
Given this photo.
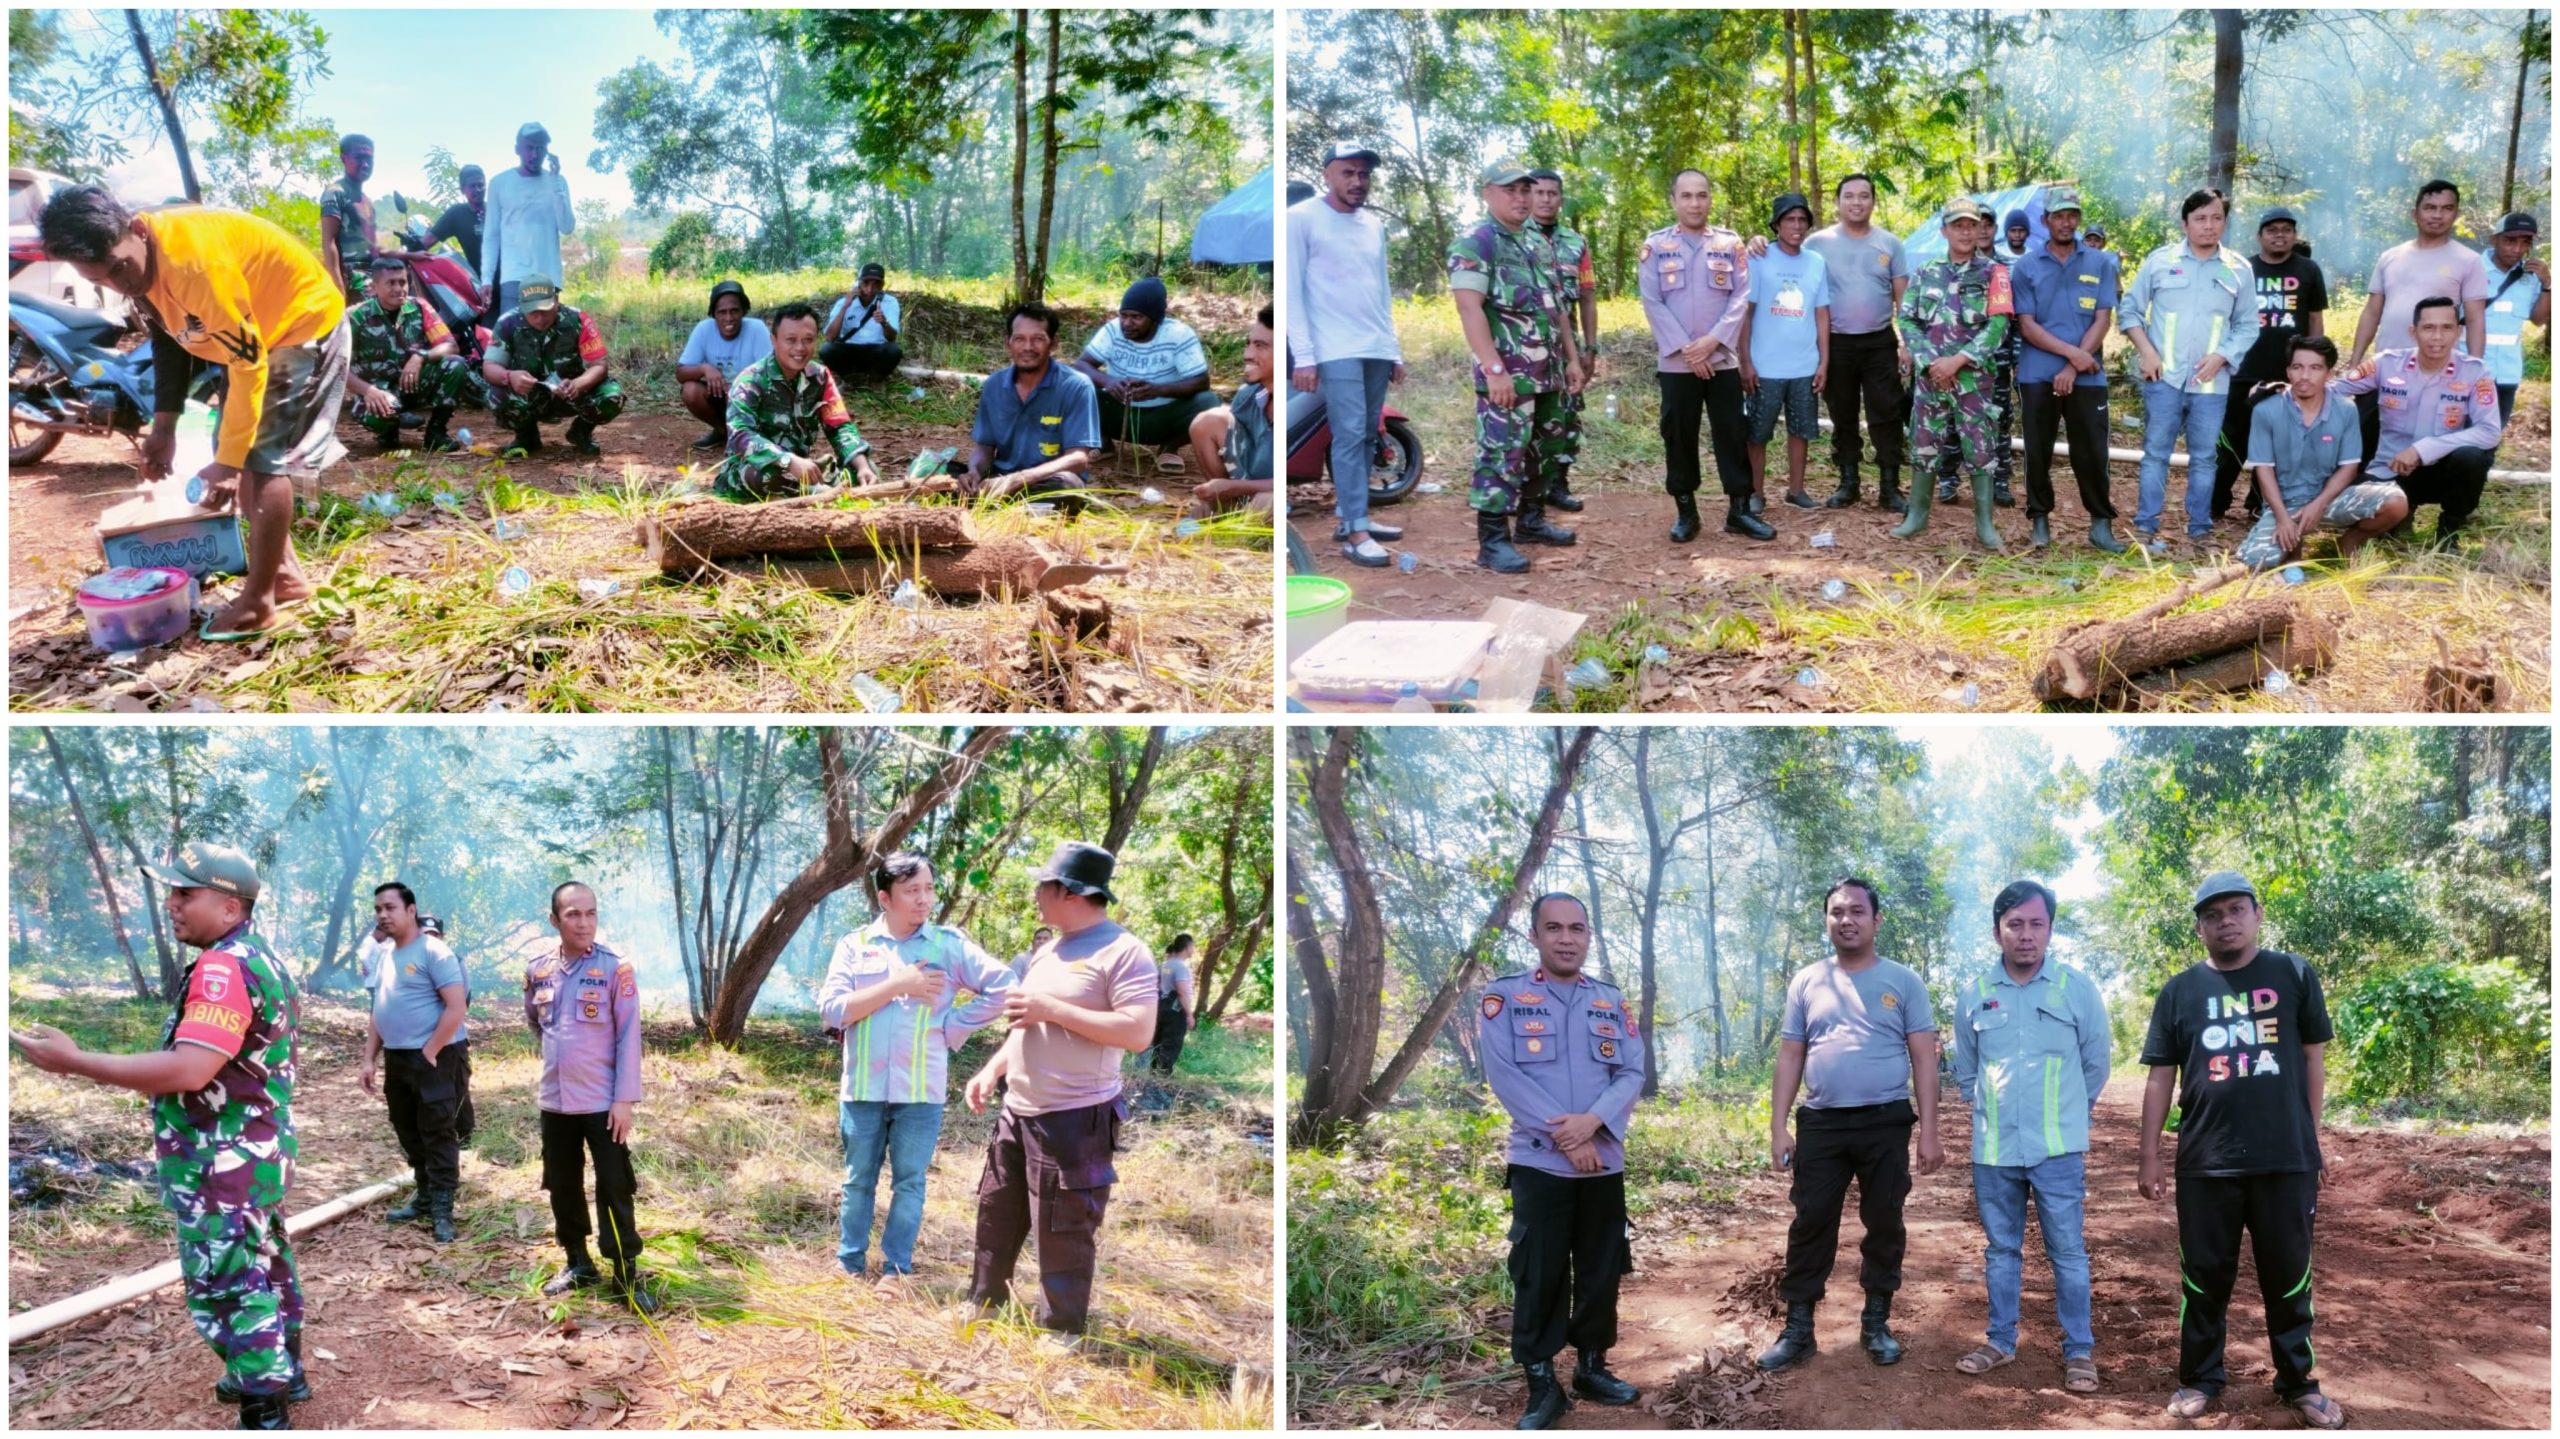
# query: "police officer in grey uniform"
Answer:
x=582 y=1001
x=1565 y=1061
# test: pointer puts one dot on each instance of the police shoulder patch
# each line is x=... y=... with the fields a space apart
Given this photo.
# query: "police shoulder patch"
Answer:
x=1492 y=1005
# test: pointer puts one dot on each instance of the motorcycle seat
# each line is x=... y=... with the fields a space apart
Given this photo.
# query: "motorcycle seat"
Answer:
x=87 y=326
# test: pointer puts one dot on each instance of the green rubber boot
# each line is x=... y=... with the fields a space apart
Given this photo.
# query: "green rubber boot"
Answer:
x=1915 y=516
x=1983 y=499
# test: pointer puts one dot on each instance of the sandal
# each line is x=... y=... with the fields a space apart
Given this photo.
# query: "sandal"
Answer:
x=2080 y=1375
x=1985 y=1358
x=2189 y=1404
x=2319 y=1411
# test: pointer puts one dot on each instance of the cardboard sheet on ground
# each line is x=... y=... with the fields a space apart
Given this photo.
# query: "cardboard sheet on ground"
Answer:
x=1505 y=653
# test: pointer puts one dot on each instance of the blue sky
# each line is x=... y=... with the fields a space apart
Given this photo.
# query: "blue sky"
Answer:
x=411 y=78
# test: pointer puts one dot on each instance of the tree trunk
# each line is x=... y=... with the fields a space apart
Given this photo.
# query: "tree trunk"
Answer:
x=1590 y=878
x=122 y=827
x=843 y=858
x=1048 y=162
x=1657 y=854
x=1322 y=1013
x=98 y=859
x=1127 y=798
x=171 y=966
x=2515 y=113
x=1715 y=985
x=1812 y=124
x=168 y=108
x=1022 y=287
x=685 y=955
x=1795 y=121
x=2222 y=151
x=688 y=539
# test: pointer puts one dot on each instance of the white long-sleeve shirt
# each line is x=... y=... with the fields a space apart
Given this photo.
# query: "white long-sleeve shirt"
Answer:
x=520 y=236
x=1339 y=307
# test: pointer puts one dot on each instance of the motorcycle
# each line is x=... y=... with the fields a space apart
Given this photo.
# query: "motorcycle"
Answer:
x=71 y=373
x=1395 y=461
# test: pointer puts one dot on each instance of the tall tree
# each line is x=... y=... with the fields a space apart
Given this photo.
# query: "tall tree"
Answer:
x=2222 y=148
x=98 y=859
x=167 y=102
x=2533 y=47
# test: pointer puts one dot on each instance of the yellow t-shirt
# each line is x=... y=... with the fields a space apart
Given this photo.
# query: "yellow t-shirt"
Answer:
x=233 y=289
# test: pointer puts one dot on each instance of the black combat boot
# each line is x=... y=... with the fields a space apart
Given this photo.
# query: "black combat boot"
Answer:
x=440 y=1213
x=1845 y=496
x=1592 y=1380
x=298 y=1392
x=1532 y=527
x=1684 y=524
x=1563 y=498
x=528 y=439
x=1880 y=1344
x=1738 y=520
x=1547 y=1401
x=582 y=438
x=265 y=1411
x=414 y=1210
x=1795 y=1341
x=436 y=441
x=626 y=1280
x=1493 y=545
x=1889 y=492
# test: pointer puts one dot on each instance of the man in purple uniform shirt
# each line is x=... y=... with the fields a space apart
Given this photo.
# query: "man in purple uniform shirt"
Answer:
x=582 y=1001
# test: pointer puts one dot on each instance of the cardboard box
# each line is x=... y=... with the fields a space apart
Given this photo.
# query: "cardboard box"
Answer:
x=1513 y=623
x=159 y=528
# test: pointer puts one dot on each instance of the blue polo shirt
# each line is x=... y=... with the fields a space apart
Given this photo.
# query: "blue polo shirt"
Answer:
x=2508 y=309
x=2065 y=297
x=1059 y=416
x=2304 y=456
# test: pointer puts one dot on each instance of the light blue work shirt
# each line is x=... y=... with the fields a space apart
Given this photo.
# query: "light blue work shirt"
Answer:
x=2030 y=1059
x=2193 y=307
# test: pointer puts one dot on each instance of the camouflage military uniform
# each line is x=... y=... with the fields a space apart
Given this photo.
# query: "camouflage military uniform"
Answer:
x=1955 y=309
x=773 y=420
x=1515 y=271
x=354 y=210
x=226 y=1156
x=559 y=355
x=383 y=344
x=1560 y=445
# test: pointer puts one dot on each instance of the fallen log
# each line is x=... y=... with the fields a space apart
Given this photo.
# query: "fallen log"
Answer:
x=688 y=539
x=2308 y=643
x=994 y=569
x=2090 y=661
x=23 y=1327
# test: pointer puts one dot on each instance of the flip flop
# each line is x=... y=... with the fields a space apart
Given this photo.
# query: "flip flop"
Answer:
x=207 y=633
x=2189 y=1404
x=2080 y=1375
x=2319 y=1411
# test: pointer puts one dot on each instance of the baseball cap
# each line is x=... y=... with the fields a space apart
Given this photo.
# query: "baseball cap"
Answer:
x=1964 y=207
x=198 y=865
x=2223 y=882
x=538 y=292
x=1348 y=150
x=1504 y=172
x=2279 y=215
x=2518 y=223
x=874 y=271
x=1789 y=201
x=1082 y=868
x=2095 y=232
x=2061 y=197
x=532 y=130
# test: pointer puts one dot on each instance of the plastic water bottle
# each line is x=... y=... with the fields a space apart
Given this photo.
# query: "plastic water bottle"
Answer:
x=1151 y=495
x=1811 y=678
x=876 y=697
x=1972 y=695
x=1609 y=407
x=1835 y=590
x=515 y=581
x=1409 y=700
x=1039 y=509
x=916 y=394
x=596 y=589
x=2292 y=574
x=1824 y=540
x=507 y=529
x=1587 y=674
x=1185 y=529
x=2275 y=683
x=1408 y=562
x=908 y=597
x=462 y=437
x=1428 y=487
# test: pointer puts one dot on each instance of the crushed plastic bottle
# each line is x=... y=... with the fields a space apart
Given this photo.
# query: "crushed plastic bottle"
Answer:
x=1835 y=590
x=1428 y=487
x=515 y=582
x=1408 y=562
x=908 y=597
x=931 y=462
x=1039 y=509
x=380 y=502
x=125 y=657
x=1185 y=528
x=2292 y=574
x=876 y=697
x=1824 y=540
x=1656 y=655
x=2275 y=683
x=916 y=394
x=1409 y=701
x=1610 y=407
x=1811 y=678
x=1587 y=674
x=446 y=499
x=462 y=437
x=596 y=589
x=1151 y=495
x=496 y=707
x=507 y=529
x=1972 y=696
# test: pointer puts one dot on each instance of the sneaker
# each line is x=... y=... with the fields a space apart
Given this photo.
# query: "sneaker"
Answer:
x=1368 y=553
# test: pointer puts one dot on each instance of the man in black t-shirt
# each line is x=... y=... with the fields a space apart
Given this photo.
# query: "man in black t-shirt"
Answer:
x=2293 y=299
x=2238 y=1039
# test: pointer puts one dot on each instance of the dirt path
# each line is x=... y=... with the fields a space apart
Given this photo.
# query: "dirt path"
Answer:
x=2415 y=1230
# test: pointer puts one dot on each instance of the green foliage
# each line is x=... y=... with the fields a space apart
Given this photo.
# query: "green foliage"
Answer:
x=2401 y=1029
x=690 y=246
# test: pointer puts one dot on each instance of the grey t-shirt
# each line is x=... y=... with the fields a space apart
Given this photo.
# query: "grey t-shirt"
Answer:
x=406 y=1006
x=1171 y=971
x=1862 y=269
x=1856 y=1031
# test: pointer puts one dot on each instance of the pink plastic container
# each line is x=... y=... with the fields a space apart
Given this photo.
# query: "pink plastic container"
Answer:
x=134 y=609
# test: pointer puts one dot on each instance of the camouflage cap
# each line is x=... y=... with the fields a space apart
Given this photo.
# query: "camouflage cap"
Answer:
x=2062 y=197
x=1964 y=207
x=1509 y=171
x=198 y=865
x=538 y=292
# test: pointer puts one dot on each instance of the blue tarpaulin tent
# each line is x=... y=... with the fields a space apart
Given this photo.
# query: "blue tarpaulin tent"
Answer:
x=1926 y=245
x=1237 y=229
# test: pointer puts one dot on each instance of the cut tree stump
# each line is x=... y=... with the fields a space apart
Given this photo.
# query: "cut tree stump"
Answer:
x=2108 y=658
x=2451 y=686
x=995 y=569
x=690 y=539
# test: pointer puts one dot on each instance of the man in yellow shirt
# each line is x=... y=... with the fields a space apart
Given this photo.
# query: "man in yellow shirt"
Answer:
x=224 y=288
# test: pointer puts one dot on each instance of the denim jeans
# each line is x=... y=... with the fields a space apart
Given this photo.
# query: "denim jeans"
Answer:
x=2168 y=412
x=1353 y=391
x=2059 y=1185
x=905 y=1134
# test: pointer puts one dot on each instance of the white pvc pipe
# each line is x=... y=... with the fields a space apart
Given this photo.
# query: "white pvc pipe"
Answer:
x=23 y=1327
x=952 y=377
x=2178 y=459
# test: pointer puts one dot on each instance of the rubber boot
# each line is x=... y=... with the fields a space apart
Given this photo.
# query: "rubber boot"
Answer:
x=298 y=1392
x=1561 y=496
x=440 y=1213
x=582 y=438
x=265 y=1411
x=1684 y=524
x=1915 y=517
x=436 y=441
x=1845 y=496
x=2039 y=533
x=1985 y=532
x=1795 y=1341
x=1493 y=545
x=626 y=1282
x=528 y=439
x=1889 y=493
x=1547 y=1401
x=1531 y=528
x=1878 y=1340
x=1738 y=520
x=2102 y=534
x=1592 y=1380
x=415 y=1209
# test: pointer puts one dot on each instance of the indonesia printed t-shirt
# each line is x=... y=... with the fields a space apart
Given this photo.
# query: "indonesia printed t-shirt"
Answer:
x=2236 y=1037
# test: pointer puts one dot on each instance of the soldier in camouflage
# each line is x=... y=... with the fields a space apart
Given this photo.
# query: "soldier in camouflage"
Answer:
x=547 y=362
x=1579 y=296
x=1503 y=275
x=221 y=1086
x=787 y=422
x=405 y=362
x=1954 y=317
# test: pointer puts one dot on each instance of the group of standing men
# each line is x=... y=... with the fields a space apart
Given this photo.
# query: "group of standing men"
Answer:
x=904 y=993
x=2004 y=334
x=2235 y=1039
